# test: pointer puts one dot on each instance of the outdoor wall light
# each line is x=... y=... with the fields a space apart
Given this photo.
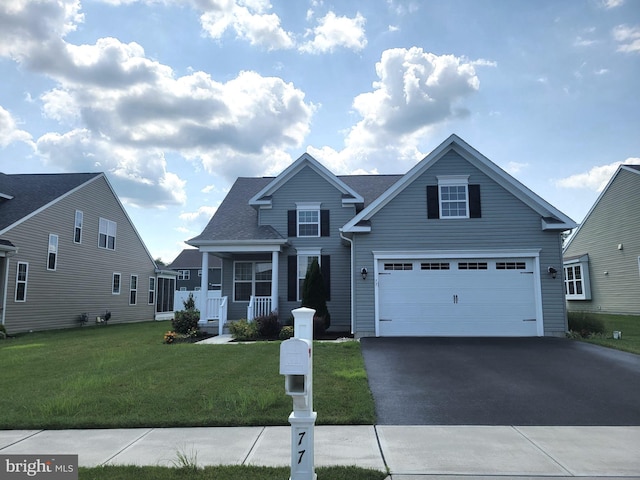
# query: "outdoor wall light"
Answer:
x=552 y=271
x=363 y=272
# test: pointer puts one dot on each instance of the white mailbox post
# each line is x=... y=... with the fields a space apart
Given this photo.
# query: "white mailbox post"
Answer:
x=296 y=364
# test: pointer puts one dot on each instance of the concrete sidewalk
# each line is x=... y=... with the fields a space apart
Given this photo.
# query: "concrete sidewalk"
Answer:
x=409 y=452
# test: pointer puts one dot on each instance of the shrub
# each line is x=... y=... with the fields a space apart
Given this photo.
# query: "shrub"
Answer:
x=585 y=324
x=286 y=332
x=3 y=332
x=268 y=325
x=243 y=330
x=189 y=303
x=185 y=321
x=314 y=296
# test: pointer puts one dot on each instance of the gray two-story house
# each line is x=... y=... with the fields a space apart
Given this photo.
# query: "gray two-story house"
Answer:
x=67 y=248
x=454 y=247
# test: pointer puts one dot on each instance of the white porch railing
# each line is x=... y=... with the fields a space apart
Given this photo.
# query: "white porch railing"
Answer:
x=217 y=310
x=258 y=307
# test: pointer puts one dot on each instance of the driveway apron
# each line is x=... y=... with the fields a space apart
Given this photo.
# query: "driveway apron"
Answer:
x=501 y=381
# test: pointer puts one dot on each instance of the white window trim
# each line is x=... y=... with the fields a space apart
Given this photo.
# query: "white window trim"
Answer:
x=583 y=263
x=184 y=275
x=109 y=228
x=113 y=278
x=77 y=225
x=453 y=181
x=53 y=249
x=308 y=207
x=151 y=297
x=25 y=281
x=132 y=289
x=306 y=253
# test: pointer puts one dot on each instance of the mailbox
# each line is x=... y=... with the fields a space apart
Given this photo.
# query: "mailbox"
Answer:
x=295 y=365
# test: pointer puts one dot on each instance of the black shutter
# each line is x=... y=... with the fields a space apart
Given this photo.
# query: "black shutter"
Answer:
x=292 y=278
x=325 y=261
x=292 y=223
x=324 y=223
x=474 y=202
x=433 y=202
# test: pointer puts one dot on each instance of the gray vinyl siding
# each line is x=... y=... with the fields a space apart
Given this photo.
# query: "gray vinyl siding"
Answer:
x=308 y=186
x=614 y=220
x=506 y=223
x=82 y=281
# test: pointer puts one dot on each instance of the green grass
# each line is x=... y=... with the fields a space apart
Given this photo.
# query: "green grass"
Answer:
x=222 y=473
x=123 y=376
x=629 y=325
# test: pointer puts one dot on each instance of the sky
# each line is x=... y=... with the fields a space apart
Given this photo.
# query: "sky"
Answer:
x=175 y=99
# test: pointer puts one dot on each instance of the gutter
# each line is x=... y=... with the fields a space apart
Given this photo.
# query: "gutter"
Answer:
x=353 y=288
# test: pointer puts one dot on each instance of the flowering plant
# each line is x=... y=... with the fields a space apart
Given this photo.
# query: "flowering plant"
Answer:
x=169 y=337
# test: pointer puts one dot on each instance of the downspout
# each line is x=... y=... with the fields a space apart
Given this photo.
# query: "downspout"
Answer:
x=353 y=286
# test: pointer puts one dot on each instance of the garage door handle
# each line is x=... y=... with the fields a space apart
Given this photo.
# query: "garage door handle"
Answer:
x=386 y=320
x=529 y=320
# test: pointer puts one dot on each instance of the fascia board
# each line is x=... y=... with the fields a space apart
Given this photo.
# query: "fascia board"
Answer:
x=292 y=170
x=240 y=246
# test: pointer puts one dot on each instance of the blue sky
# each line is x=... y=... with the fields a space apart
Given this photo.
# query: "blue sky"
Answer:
x=174 y=99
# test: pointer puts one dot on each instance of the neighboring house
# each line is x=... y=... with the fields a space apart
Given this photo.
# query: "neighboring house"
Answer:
x=455 y=247
x=67 y=247
x=188 y=264
x=602 y=258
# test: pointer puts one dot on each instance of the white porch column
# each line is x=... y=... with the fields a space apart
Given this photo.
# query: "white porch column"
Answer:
x=204 y=288
x=274 y=280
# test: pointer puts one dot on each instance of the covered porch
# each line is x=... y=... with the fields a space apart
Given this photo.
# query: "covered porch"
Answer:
x=249 y=283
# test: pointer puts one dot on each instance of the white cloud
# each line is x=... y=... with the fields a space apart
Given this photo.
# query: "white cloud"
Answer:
x=596 y=178
x=125 y=110
x=203 y=213
x=608 y=4
x=336 y=32
x=628 y=38
x=516 y=167
x=416 y=92
x=9 y=131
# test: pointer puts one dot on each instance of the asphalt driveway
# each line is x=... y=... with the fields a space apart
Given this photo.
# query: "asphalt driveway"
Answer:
x=501 y=381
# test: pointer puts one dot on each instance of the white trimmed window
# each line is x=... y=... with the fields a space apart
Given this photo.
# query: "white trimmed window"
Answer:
x=454 y=196
x=22 y=276
x=251 y=279
x=107 y=234
x=184 y=274
x=576 y=278
x=133 y=290
x=52 y=255
x=77 y=229
x=115 y=284
x=152 y=291
x=308 y=215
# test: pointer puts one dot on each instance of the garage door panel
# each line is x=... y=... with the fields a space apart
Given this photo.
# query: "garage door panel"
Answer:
x=476 y=297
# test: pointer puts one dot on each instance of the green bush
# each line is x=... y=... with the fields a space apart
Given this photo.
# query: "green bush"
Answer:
x=585 y=324
x=268 y=325
x=3 y=332
x=314 y=296
x=243 y=330
x=286 y=332
x=185 y=321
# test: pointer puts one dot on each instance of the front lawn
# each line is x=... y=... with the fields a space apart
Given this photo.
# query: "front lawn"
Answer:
x=122 y=376
x=629 y=325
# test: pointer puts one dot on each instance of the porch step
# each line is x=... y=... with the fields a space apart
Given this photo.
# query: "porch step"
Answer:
x=212 y=327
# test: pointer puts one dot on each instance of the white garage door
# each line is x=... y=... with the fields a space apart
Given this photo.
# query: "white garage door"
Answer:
x=457 y=297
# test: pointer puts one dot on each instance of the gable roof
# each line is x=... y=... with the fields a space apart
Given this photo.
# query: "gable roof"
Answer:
x=236 y=220
x=191 y=258
x=263 y=197
x=552 y=218
x=24 y=195
x=629 y=168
